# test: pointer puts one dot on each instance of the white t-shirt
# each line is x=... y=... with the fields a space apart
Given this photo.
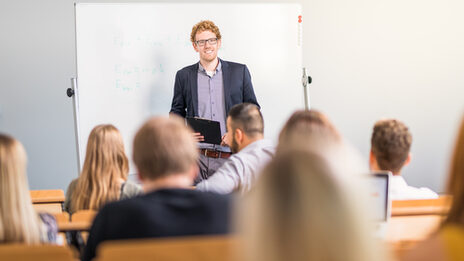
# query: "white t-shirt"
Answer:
x=400 y=190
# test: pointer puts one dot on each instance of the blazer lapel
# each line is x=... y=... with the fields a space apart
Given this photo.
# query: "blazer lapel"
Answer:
x=226 y=83
x=193 y=79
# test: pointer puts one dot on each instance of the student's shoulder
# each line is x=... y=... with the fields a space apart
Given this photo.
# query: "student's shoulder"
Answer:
x=131 y=189
x=127 y=205
x=220 y=199
x=72 y=185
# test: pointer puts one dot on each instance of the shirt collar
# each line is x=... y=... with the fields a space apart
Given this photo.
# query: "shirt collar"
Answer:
x=398 y=181
x=218 y=67
x=256 y=144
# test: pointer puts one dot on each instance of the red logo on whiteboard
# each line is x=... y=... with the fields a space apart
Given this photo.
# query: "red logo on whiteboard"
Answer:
x=299 y=19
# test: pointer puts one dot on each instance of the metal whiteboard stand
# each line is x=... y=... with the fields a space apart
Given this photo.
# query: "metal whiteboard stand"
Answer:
x=306 y=79
x=73 y=92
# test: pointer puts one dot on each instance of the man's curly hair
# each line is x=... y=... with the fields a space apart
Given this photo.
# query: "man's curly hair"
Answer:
x=205 y=25
x=390 y=144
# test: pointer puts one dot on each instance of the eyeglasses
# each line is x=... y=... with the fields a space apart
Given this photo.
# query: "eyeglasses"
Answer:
x=202 y=43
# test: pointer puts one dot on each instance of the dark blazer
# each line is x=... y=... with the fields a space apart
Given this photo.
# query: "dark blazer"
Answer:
x=162 y=213
x=237 y=88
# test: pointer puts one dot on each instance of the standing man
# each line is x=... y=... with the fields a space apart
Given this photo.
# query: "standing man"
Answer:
x=208 y=89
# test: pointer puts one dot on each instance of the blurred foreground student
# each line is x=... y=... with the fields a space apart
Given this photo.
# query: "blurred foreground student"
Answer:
x=299 y=210
x=19 y=223
x=448 y=243
x=166 y=156
x=312 y=130
x=390 y=145
x=104 y=174
x=303 y=207
x=303 y=125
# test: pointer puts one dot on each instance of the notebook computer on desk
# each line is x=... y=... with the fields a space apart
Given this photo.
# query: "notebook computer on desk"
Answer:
x=379 y=194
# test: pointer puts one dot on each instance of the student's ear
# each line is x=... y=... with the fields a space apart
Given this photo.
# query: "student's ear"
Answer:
x=408 y=160
x=139 y=176
x=372 y=161
x=195 y=47
x=238 y=133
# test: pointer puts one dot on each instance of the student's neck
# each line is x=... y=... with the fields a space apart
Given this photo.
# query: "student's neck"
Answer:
x=171 y=181
x=210 y=66
x=375 y=167
x=249 y=140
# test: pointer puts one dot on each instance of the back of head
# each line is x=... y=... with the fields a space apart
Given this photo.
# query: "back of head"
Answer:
x=300 y=211
x=163 y=147
x=455 y=186
x=308 y=128
x=390 y=144
x=248 y=118
x=105 y=165
x=18 y=221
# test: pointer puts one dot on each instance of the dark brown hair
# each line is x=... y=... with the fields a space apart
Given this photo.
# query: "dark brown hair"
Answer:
x=248 y=118
x=390 y=144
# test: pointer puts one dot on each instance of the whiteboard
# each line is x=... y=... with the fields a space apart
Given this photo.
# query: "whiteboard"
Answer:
x=128 y=55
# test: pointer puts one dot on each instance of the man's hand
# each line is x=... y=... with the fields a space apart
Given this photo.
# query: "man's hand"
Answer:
x=224 y=141
x=198 y=137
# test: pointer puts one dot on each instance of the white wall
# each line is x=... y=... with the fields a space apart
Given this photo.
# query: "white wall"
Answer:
x=36 y=64
x=402 y=59
x=368 y=58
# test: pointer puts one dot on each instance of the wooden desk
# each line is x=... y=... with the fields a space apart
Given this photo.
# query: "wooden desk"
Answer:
x=74 y=226
x=49 y=201
x=47 y=196
x=36 y=252
x=412 y=228
x=52 y=208
x=201 y=248
x=438 y=206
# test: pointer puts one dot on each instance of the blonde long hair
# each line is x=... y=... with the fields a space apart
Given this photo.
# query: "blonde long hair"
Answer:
x=299 y=210
x=105 y=164
x=455 y=186
x=19 y=223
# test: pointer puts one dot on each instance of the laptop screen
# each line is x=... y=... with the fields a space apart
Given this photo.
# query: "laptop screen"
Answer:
x=378 y=185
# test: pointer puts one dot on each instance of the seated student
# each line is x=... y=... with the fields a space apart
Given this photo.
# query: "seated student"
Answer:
x=300 y=210
x=313 y=131
x=19 y=223
x=390 y=144
x=166 y=156
x=104 y=174
x=447 y=243
x=245 y=137
x=308 y=124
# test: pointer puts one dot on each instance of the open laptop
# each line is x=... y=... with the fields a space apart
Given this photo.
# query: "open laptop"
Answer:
x=379 y=186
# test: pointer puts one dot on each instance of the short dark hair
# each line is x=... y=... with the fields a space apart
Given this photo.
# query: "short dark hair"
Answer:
x=390 y=144
x=248 y=118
